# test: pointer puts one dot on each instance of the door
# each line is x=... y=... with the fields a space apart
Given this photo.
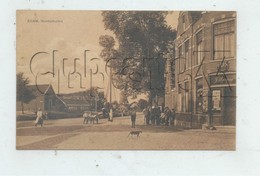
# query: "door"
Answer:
x=229 y=108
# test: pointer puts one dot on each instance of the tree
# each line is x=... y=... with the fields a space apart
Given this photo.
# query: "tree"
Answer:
x=101 y=100
x=138 y=63
x=23 y=93
x=95 y=98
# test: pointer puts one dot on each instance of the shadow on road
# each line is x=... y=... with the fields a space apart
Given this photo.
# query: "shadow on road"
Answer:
x=159 y=129
x=46 y=131
x=46 y=144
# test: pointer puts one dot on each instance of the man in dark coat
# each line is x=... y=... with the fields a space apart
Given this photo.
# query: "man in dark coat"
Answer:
x=133 y=117
x=153 y=115
x=158 y=115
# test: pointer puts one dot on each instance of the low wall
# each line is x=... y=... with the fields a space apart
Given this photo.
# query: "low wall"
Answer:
x=185 y=120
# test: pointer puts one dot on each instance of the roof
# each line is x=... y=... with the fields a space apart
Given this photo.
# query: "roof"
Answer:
x=73 y=101
x=195 y=15
x=39 y=90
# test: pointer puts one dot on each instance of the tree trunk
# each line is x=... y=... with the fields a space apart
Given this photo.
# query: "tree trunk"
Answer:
x=22 y=107
x=150 y=99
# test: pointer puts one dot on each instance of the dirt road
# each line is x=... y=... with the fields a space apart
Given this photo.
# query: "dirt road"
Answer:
x=73 y=134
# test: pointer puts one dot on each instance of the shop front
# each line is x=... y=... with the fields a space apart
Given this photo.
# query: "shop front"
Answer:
x=222 y=99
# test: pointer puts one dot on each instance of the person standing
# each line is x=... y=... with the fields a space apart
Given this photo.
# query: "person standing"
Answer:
x=46 y=115
x=133 y=117
x=39 y=119
x=167 y=114
x=153 y=115
x=146 y=112
x=172 y=117
x=149 y=112
x=158 y=115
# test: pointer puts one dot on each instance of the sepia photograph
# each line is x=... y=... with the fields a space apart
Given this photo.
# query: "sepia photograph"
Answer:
x=126 y=80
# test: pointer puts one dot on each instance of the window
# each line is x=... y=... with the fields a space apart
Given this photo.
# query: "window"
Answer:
x=179 y=88
x=181 y=62
x=186 y=54
x=183 y=23
x=198 y=48
x=224 y=40
x=199 y=95
x=186 y=97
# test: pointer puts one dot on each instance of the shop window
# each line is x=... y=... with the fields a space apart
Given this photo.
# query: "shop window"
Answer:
x=216 y=94
x=224 y=40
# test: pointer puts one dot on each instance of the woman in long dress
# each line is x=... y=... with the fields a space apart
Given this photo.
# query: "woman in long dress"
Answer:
x=39 y=119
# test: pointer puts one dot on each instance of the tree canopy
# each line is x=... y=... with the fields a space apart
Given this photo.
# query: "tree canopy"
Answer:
x=142 y=103
x=23 y=93
x=137 y=62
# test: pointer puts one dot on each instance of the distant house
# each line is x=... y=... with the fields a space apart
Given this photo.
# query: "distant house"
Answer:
x=75 y=104
x=78 y=102
x=46 y=99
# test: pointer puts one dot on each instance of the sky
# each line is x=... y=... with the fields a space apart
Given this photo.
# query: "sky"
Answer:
x=70 y=33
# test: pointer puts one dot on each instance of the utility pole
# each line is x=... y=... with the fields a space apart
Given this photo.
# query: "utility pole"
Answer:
x=58 y=81
x=90 y=89
x=96 y=99
x=110 y=94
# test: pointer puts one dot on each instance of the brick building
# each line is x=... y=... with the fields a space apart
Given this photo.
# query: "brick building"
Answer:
x=201 y=78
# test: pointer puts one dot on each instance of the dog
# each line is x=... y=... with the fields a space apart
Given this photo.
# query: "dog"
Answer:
x=134 y=133
x=210 y=128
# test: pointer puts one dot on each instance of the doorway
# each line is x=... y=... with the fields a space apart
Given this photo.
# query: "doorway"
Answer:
x=229 y=106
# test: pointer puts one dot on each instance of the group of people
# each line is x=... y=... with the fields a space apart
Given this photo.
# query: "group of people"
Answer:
x=153 y=115
x=168 y=116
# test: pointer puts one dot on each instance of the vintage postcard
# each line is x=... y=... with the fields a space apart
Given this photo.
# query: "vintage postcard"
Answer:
x=126 y=80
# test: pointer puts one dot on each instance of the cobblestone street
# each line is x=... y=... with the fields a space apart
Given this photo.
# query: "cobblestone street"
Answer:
x=73 y=134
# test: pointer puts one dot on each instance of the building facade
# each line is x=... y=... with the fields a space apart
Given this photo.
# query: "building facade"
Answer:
x=201 y=78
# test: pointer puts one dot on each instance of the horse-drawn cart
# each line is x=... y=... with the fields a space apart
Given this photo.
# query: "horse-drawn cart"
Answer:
x=90 y=117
